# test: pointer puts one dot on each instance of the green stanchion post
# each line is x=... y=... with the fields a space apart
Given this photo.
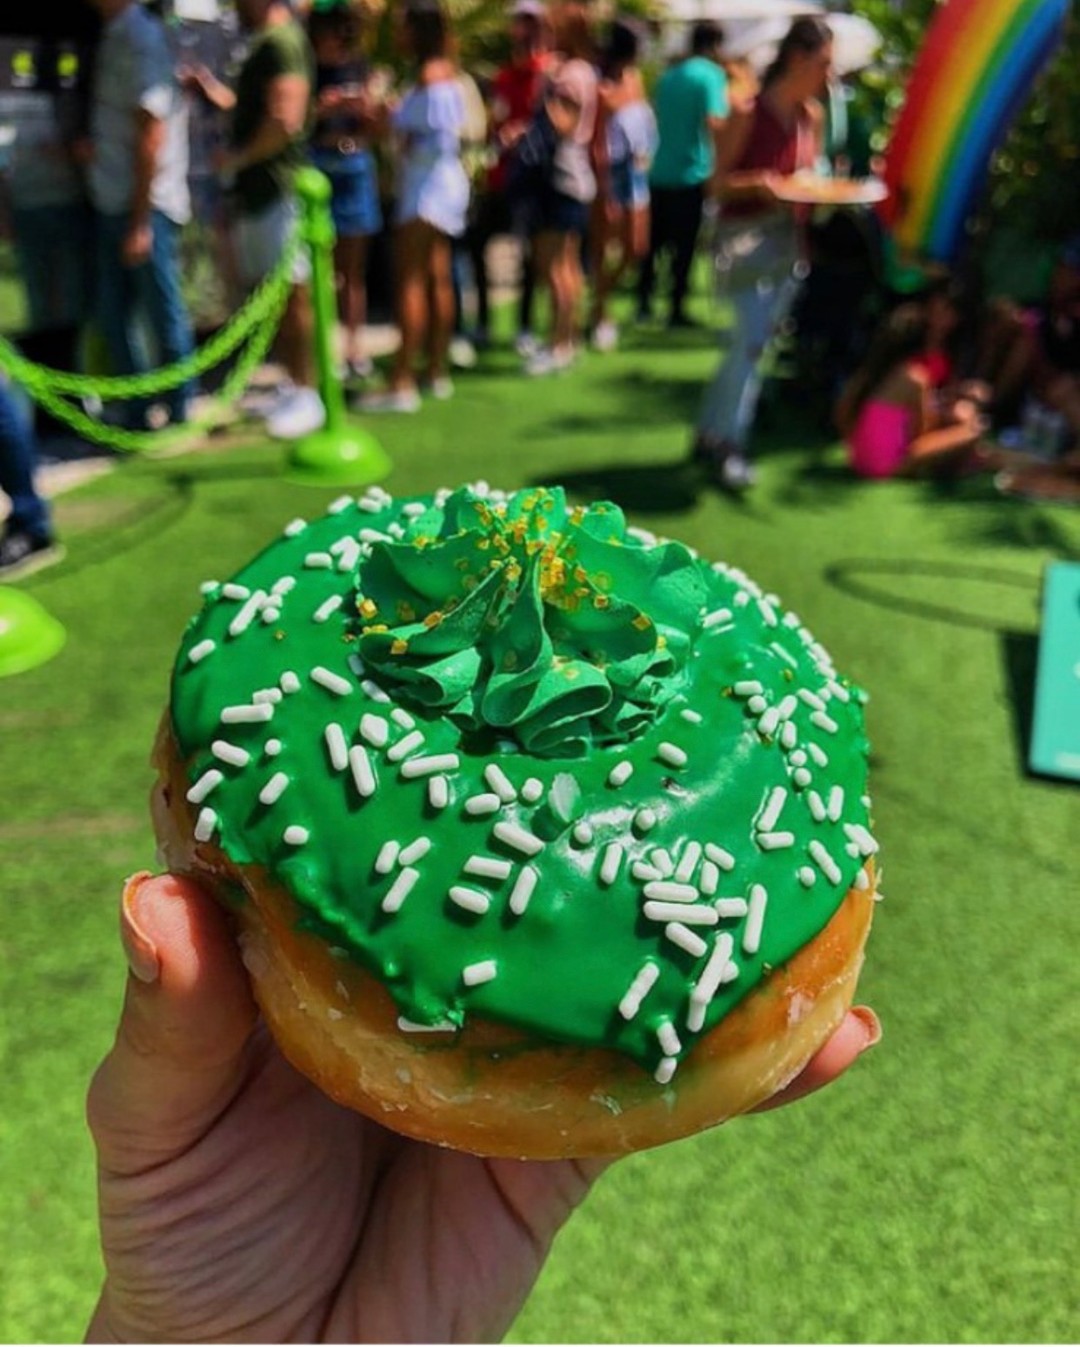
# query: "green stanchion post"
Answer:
x=29 y=635
x=342 y=452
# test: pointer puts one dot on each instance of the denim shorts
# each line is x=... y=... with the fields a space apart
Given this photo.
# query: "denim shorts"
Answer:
x=355 y=200
x=629 y=184
x=561 y=214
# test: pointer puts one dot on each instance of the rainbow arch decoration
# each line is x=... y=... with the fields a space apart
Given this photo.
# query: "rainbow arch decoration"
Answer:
x=972 y=76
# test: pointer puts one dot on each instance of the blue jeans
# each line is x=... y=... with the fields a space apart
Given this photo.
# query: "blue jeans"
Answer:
x=52 y=244
x=760 y=266
x=151 y=292
x=29 y=512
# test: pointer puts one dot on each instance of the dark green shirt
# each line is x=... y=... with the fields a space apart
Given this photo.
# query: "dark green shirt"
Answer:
x=279 y=50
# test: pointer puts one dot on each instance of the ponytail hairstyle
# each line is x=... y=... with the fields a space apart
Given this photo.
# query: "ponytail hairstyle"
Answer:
x=806 y=36
x=901 y=336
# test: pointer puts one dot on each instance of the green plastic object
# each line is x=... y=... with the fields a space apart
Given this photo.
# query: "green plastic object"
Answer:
x=1055 y=734
x=342 y=453
x=29 y=635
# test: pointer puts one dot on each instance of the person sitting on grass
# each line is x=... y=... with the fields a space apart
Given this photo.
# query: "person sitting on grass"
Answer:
x=889 y=415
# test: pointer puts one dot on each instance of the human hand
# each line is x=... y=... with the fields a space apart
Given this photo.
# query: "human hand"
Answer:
x=238 y=1202
x=137 y=245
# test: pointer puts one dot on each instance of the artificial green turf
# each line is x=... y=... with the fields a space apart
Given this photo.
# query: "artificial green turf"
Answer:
x=927 y=1197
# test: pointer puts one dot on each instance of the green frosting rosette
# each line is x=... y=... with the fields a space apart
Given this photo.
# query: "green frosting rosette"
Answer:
x=530 y=617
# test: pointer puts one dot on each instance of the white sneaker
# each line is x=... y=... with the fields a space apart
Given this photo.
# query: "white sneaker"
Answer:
x=298 y=414
x=264 y=401
x=462 y=353
x=441 y=388
x=405 y=400
x=359 y=368
x=526 y=345
x=549 y=361
x=605 y=336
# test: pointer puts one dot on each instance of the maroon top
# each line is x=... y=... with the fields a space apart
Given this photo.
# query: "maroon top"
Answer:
x=772 y=145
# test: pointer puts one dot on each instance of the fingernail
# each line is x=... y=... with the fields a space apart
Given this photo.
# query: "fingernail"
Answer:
x=870 y=1023
x=140 y=950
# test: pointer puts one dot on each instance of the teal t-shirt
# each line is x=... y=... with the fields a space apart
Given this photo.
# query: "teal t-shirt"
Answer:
x=686 y=96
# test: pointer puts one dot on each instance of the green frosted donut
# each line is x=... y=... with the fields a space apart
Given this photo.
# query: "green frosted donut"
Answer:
x=521 y=761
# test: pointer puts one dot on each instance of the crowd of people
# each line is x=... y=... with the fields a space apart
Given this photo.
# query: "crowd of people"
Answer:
x=563 y=148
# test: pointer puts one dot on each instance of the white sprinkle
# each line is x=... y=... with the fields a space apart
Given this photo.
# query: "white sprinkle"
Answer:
x=413 y=509
x=775 y=841
x=609 y=868
x=412 y=1027
x=289 y=681
x=862 y=880
x=336 y=506
x=785 y=655
x=272 y=747
x=668 y=1038
x=789 y=735
x=518 y=838
x=399 y=890
x=801 y=777
x=470 y=900
x=205 y=824
x=413 y=740
x=348 y=555
x=328 y=608
x=688 y=861
x=374 y=729
x=201 y=650
x=415 y=851
x=668 y=892
x=692 y=716
x=500 y=783
x=483 y=804
x=318 y=561
x=205 y=784
x=532 y=790
x=680 y=911
x=230 y=753
x=742 y=599
x=295 y=836
x=401 y=717
x=248 y=613
x=661 y=859
x=818 y=754
x=284 y=586
x=362 y=773
x=235 y=591
x=638 y=990
x=241 y=715
x=643 y=870
x=724 y=859
x=274 y=789
x=748 y=687
x=817 y=806
x=768 y=612
x=838 y=690
x=852 y=849
x=664 y=1072
x=681 y=935
x=825 y=862
x=807 y=876
x=523 y=889
x=823 y=722
x=209 y=586
x=370 y=505
x=374 y=692
x=751 y=940
x=811 y=699
x=774 y=806
x=671 y=754
x=436 y=762
x=712 y=974
x=387 y=857
x=438 y=790
x=621 y=773
x=798 y=758
x=835 y=806
x=766 y=726
x=293 y=527
x=271 y=695
x=788 y=706
x=489 y=867
x=730 y=909
x=644 y=819
x=374 y=536
x=863 y=839
x=336 y=746
x=583 y=834
x=756 y=705
x=710 y=878
x=333 y=682
x=715 y=618
x=270 y=614
x=474 y=974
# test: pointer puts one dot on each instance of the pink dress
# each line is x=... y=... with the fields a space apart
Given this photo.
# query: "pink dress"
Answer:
x=878 y=442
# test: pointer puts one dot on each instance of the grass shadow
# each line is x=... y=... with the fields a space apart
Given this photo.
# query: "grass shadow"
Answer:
x=869 y=579
x=647 y=489
x=1020 y=659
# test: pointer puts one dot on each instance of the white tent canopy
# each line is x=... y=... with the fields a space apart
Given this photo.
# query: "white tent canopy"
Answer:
x=754 y=28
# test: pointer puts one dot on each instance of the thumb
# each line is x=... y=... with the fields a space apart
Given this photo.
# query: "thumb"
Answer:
x=179 y=1055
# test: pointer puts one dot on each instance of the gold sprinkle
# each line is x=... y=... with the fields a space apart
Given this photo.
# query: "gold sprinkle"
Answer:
x=601 y=601
x=405 y=611
x=399 y=647
x=368 y=608
x=642 y=622
x=433 y=619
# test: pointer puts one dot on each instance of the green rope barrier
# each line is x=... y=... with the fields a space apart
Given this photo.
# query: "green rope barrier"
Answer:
x=264 y=305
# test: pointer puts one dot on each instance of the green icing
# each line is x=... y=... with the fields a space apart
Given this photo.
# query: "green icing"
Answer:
x=680 y=683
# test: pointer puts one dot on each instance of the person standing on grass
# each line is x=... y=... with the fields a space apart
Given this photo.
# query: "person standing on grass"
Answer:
x=27 y=543
x=138 y=163
x=432 y=203
x=268 y=144
x=691 y=111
